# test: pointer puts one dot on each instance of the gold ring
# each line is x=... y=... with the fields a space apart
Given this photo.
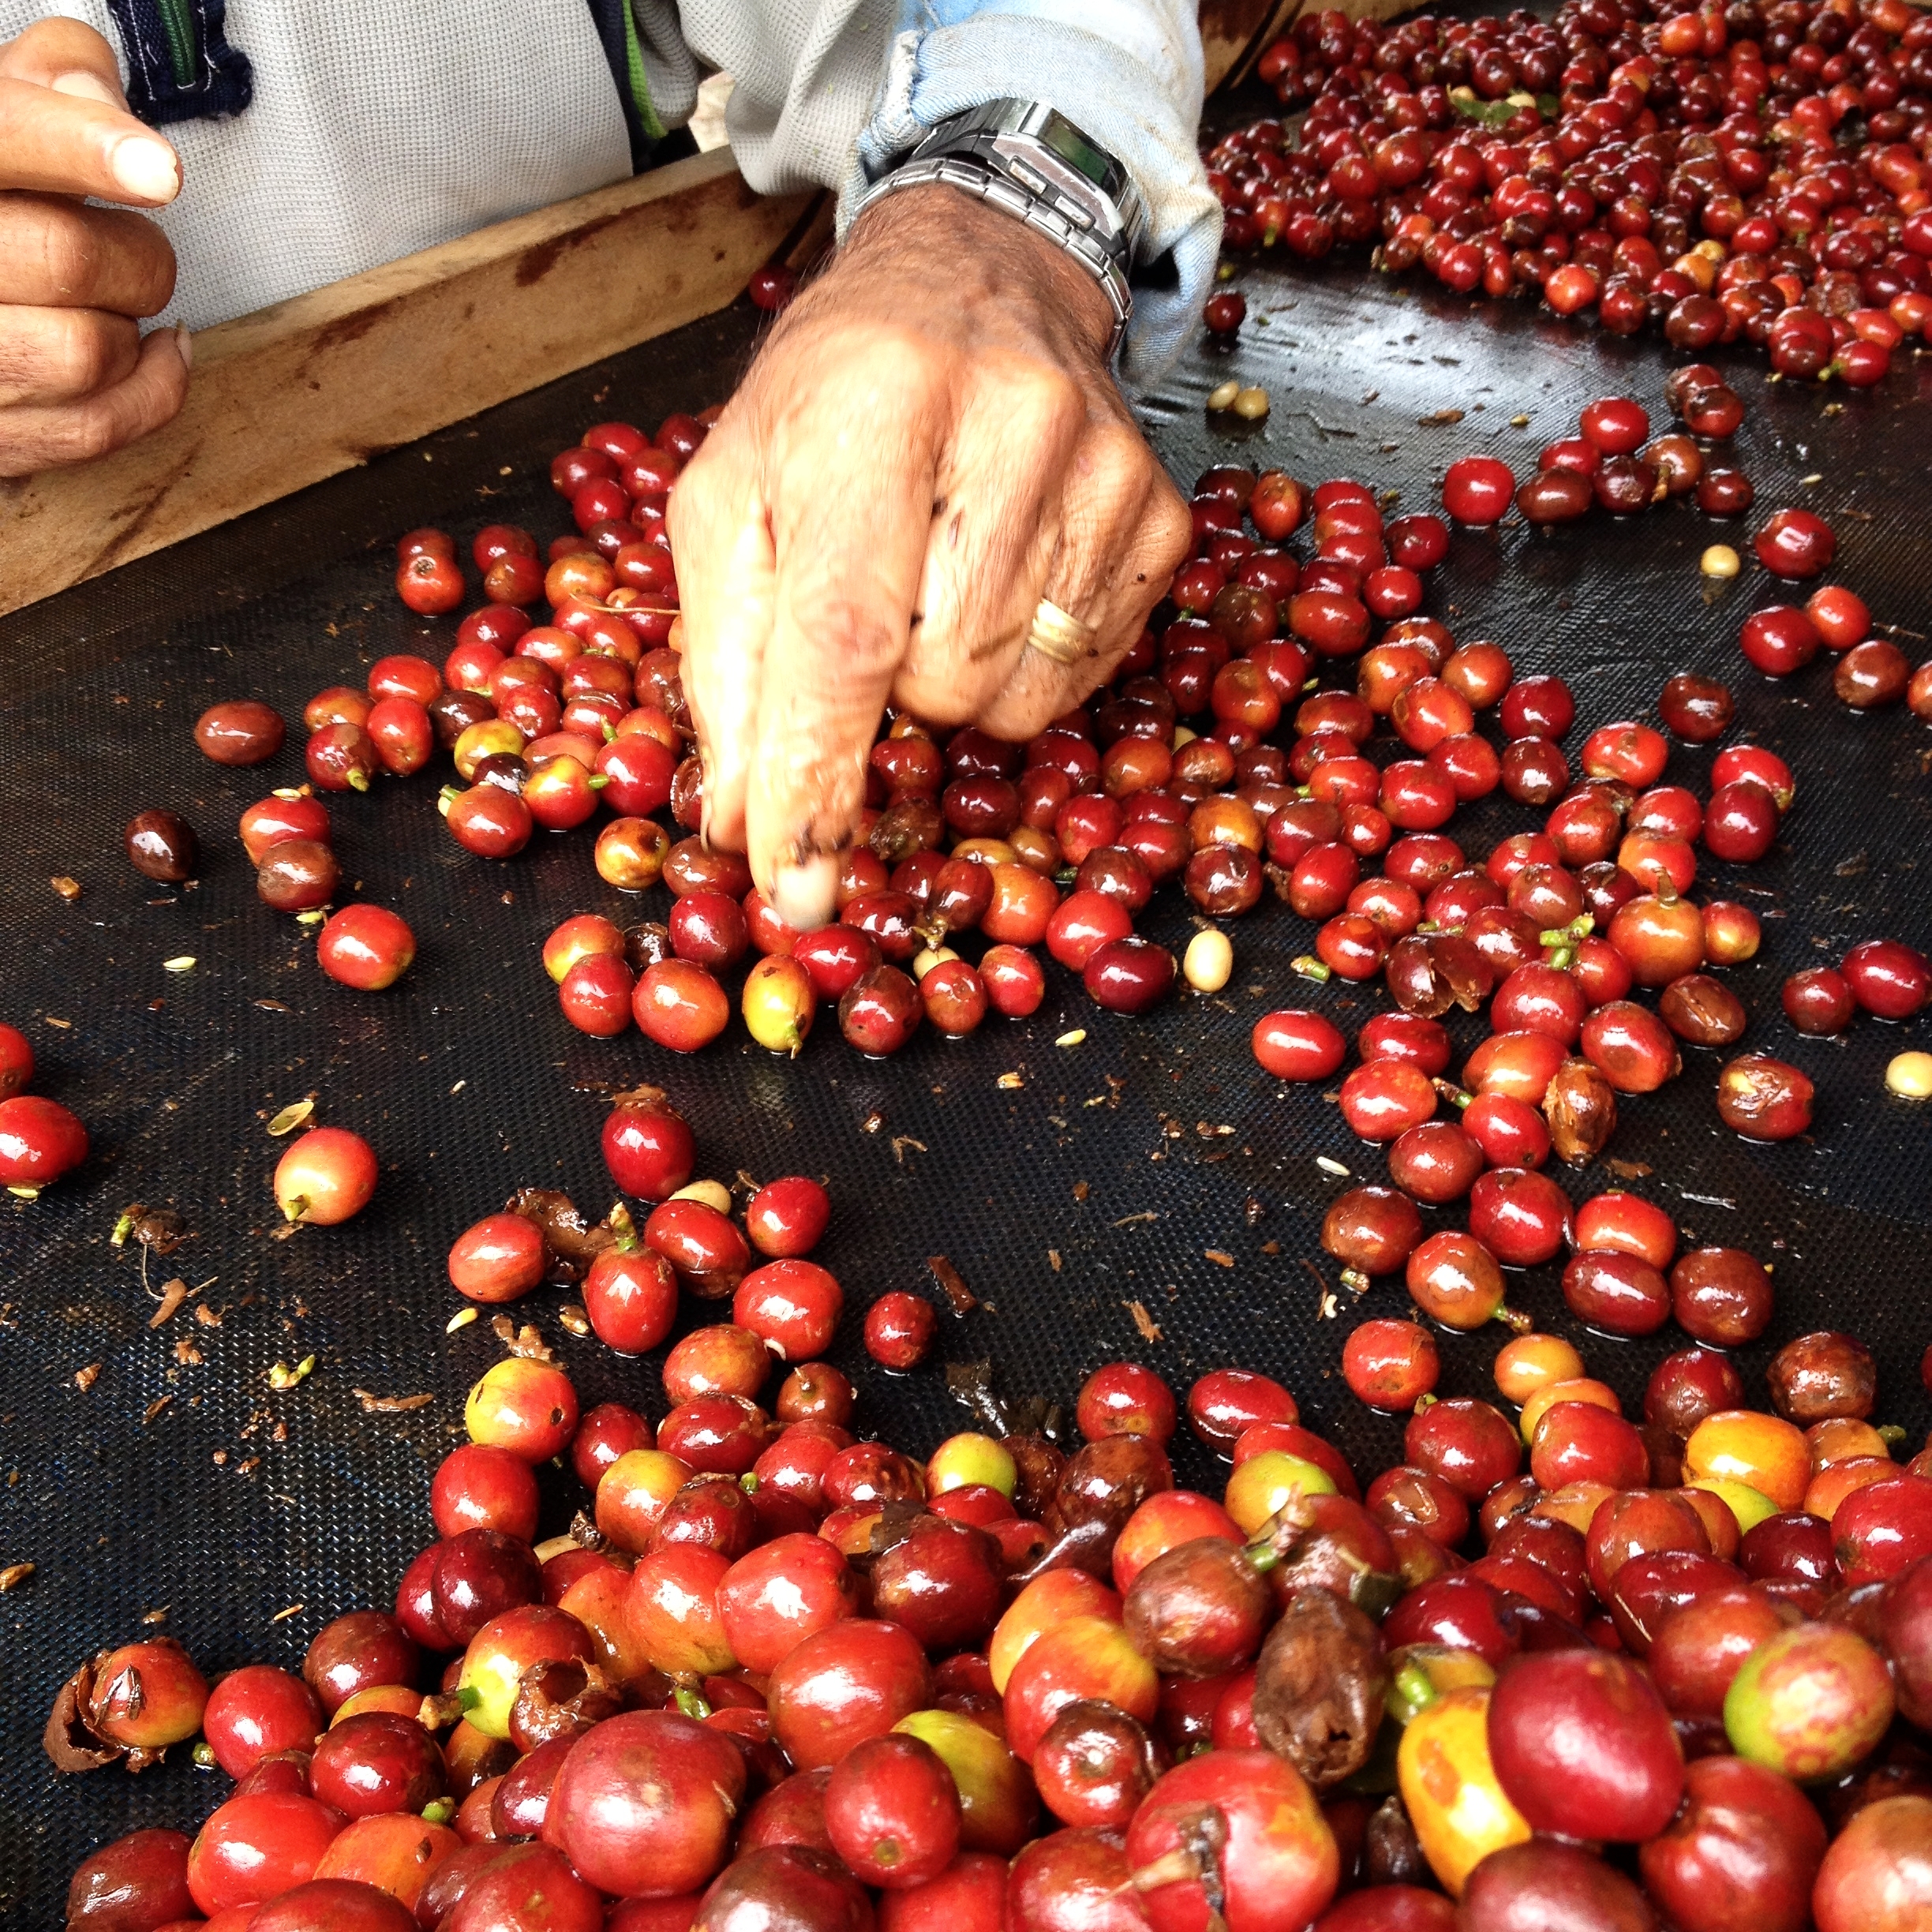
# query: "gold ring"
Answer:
x=1059 y=635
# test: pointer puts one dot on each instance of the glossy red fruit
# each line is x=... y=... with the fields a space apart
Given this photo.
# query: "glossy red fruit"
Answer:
x=527 y=1884
x=772 y=288
x=844 y=1684
x=326 y=1176
x=242 y=731
x=645 y=1804
x=899 y=1329
x=787 y=1218
x=1764 y=1099
x=680 y=1004
x=134 y=1884
x=1391 y=1364
x=1888 y=978
x=781 y=1592
x=1877 y=1876
x=1883 y=1529
x=1279 y=1866
x=1130 y=976
x=1297 y=1045
x=256 y=1711
x=1125 y=1399
x=1780 y=639
x=1385 y=1098
x=1544 y=1885
x=1521 y=1217
x=647 y=1146
x=1078 y=1880
x=1583 y=1746
x=892 y=1812
x=1015 y=982
x=792 y=1306
x=480 y=1488
x=1615 y=425
x=255 y=1847
x=39 y=1141
x=429 y=584
x=16 y=1061
x=365 y=946
x=1225 y=1401
x=631 y=1296
x=1795 y=544
x=1477 y=490
x=498 y=1258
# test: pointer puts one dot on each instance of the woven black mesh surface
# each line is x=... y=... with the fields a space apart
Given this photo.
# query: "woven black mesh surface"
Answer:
x=462 y=1076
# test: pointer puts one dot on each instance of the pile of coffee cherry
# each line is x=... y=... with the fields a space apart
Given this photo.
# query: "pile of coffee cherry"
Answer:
x=1057 y=846
x=1756 y=170
x=1566 y=1669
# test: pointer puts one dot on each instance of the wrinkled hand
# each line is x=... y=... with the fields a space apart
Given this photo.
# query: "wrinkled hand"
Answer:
x=76 y=378
x=928 y=445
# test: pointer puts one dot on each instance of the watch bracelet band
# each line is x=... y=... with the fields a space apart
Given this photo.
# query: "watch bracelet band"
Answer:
x=975 y=178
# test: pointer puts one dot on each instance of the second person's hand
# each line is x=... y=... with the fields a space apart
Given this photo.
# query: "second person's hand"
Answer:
x=76 y=378
x=929 y=446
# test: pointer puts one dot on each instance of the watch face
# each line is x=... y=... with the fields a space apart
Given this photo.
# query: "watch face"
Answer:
x=1058 y=133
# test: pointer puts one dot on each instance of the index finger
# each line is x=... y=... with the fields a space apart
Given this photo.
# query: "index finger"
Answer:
x=720 y=533
x=852 y=514
x=59 y=142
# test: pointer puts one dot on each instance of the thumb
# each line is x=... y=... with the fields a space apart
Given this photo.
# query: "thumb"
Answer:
x=64 y=124
x=67 y=55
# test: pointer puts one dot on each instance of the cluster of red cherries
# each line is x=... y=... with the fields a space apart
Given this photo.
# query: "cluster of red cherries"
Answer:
x=1060 y=843
x=1614 y=464
x=1754 y=171
x=777 y=1675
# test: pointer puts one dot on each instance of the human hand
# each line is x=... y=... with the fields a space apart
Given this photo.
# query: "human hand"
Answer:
x=928 y=445
x=76 y=378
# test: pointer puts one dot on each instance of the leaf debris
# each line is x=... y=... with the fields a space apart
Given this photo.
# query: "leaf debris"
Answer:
x=960 y=1297
x=173 y=1294
x=526 y=1342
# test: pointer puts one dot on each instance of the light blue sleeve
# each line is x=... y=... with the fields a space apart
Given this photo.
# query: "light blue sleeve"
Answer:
x=1128 y=72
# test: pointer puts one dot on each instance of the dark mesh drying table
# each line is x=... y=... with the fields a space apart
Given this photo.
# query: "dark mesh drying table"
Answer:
x=1129 y=1156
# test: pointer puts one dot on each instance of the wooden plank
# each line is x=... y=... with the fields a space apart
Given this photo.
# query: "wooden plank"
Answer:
x=1229 y=29
x=316 y=385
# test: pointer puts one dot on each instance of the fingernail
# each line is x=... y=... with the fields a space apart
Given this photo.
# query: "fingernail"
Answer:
x=185 y=343
x=147 y=168
x=88 y=87
x=805 y=892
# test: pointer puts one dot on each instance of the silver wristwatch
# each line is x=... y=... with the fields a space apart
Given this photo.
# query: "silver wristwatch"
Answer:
x=1029 y=159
